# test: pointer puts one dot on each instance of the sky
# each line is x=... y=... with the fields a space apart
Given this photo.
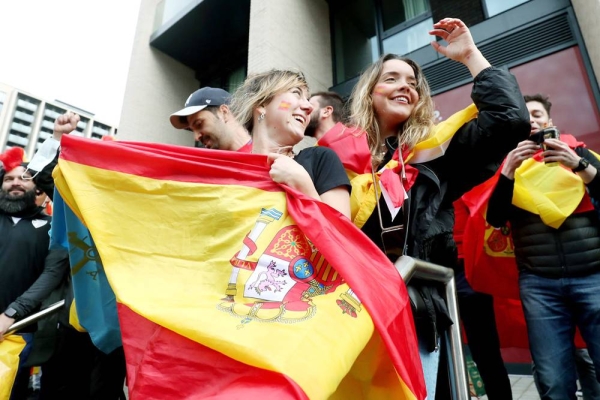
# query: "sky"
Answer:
x=75 y=51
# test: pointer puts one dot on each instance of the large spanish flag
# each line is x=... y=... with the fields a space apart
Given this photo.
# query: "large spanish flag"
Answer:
x=230 y=285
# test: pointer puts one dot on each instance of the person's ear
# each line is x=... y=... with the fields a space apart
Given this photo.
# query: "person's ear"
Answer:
x=225 y=112
x=262 y=109
x=327 y=111
x=550 y=123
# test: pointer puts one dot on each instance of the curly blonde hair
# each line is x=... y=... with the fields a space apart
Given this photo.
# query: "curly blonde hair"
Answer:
x=417 y=128
x=259 y=89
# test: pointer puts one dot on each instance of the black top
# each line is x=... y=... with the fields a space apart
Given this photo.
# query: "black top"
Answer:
x=324 y=167
x=23 y=249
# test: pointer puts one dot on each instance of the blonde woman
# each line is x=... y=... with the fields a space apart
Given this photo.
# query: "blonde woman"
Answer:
x=393 y=104
x=274 y=107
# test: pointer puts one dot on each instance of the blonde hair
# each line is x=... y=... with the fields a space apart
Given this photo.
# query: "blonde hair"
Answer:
x=259 y=89
x=415 y=129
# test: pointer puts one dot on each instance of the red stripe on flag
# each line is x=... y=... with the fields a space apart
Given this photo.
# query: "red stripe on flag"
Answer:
x=173 y=163
x=164 y=365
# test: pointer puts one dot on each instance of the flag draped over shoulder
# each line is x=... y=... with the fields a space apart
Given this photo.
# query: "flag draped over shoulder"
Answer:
x=552 y=192
x=10 y=348
x=350 y=144
x=94 y=308
x=231 y=285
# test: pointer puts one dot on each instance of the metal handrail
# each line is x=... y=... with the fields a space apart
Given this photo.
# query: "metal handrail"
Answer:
x=409 y=268
x=34 y=318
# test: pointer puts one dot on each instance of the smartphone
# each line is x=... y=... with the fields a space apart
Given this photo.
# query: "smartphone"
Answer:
x=547 y=133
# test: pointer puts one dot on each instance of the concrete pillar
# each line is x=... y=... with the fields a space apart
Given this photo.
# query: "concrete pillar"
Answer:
x=291 y=34
x=157 y=86
x=588 y=14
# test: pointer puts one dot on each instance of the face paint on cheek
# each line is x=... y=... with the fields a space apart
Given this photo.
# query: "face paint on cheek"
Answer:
x=379 y=91
x=284 y=105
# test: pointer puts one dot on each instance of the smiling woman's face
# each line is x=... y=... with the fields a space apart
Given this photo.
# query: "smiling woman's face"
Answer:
x=395 y=94
x=287 y=115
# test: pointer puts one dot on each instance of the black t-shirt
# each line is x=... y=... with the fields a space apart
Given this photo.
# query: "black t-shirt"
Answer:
x=324 y=168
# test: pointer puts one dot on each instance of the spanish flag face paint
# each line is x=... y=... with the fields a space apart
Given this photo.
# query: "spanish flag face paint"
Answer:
x=378 y=91
x=284 y=105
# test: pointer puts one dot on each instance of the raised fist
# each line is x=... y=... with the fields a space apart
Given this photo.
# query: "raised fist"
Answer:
x=65 y=124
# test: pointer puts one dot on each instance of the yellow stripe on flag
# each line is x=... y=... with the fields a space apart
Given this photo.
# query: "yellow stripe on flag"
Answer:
x=436 y=145
x=552 y=192
x=10 y=348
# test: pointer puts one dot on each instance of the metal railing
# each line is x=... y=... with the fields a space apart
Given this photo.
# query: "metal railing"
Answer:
x=35 y=317
x=409 y=268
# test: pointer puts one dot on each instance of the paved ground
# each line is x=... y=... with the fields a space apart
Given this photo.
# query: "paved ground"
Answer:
x=523 y=388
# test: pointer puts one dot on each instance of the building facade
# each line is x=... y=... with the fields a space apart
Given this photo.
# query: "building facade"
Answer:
x=552 y=46
x=26 y=120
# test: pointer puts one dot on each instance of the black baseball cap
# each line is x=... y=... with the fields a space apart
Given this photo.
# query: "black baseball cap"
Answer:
x=198 y=101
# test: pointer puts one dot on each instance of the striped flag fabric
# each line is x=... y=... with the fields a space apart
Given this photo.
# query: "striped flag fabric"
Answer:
x=229 y=284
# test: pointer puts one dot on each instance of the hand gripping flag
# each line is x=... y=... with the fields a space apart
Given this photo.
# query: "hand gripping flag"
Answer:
x=229 y=285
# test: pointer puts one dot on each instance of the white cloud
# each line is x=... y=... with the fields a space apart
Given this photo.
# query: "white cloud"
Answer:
x=76 y=51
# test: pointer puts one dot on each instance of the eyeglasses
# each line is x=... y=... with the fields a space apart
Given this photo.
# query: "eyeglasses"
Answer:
x=394 y=238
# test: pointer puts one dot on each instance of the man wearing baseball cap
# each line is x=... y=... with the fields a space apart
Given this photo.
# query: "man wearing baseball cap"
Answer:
x=207 y=114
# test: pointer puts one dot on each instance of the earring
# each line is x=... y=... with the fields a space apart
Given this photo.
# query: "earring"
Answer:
x=261 y=116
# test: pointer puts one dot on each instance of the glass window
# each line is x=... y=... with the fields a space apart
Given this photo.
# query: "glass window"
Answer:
x=409 y=39
x=235 y=79
x=355 y=37
x=50 y=114
x=100 y=130
x=395 y=12
x=22 y=124
x=81 y=125
x=495 y=7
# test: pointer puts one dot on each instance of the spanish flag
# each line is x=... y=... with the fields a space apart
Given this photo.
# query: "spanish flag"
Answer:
x=229 y=285
x=551 y=191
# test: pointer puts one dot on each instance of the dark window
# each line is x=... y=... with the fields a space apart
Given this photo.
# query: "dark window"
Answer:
x=354 y=35
x=396 y=12
x=362 y=29
x=495 y=7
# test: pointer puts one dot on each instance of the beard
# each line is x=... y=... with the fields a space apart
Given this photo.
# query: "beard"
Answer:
x=311 y=128
x=12 y=205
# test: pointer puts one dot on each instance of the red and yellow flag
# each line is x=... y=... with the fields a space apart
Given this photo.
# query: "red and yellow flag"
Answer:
x=551 y=191
x=230 y=285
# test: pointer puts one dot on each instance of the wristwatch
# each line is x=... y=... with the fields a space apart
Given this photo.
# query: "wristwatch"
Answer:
x=11 y=313
x=583 y=164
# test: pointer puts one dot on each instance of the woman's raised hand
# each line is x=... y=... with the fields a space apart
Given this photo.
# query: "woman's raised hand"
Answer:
x=461 y=46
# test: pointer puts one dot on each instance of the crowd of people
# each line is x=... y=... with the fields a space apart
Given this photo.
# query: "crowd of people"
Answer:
x=389 y=114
